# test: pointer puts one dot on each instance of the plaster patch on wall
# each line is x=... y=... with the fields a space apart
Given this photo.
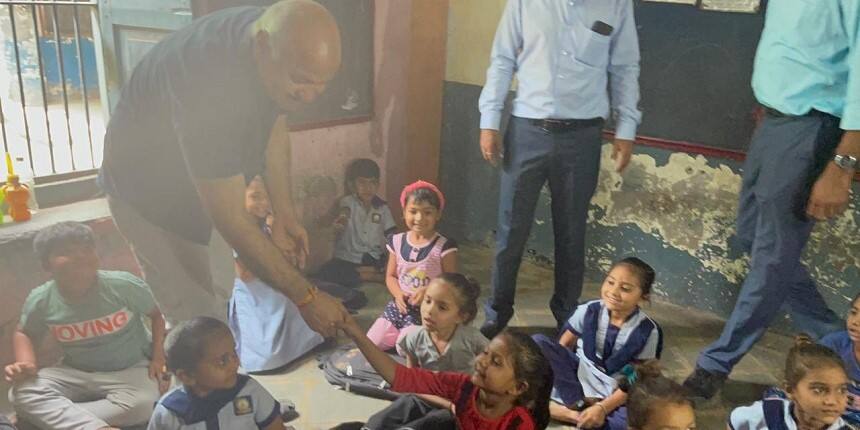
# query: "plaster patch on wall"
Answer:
x=687 y=203
x=691 y=205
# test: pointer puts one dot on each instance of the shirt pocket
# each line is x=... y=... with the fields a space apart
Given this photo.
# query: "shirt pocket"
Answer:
x=592 y=48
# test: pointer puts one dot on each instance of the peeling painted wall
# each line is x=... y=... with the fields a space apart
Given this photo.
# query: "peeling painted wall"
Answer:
x=674 y=210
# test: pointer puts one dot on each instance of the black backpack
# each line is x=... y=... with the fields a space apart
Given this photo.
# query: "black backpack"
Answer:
x=346 y=367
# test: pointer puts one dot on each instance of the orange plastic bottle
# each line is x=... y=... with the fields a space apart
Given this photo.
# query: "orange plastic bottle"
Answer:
x=17 y=196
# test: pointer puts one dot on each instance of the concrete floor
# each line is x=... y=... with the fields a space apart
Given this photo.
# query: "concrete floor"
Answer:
x=686 y=331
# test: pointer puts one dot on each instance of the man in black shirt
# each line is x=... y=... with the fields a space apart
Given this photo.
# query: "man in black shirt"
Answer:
x=193 y=123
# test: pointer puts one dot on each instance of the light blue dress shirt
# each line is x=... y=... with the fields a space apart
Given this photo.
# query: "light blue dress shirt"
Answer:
x=809 y=58
x=565 y=70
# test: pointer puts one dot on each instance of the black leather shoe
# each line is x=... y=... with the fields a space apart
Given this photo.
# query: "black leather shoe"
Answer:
x=490 y=329
x=704 y=384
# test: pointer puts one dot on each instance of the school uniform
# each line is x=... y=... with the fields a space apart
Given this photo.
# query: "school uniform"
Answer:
x=602 y=350
x=269 y=329
x=362 y=241
x=465 y=344
x=771 y=414
x=245 y=406
x=842 y=345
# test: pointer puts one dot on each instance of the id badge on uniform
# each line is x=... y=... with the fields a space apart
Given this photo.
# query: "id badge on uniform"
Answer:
x=243 y=406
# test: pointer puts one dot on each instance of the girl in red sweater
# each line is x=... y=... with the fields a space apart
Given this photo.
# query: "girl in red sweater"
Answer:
x=508 y=390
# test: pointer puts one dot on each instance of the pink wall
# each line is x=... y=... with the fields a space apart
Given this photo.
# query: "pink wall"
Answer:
x=323 y=153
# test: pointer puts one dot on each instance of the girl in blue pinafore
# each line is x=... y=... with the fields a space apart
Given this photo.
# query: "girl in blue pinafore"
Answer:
x=598 y=341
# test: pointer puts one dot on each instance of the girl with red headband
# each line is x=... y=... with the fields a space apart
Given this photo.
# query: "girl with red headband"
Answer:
x=415 y=258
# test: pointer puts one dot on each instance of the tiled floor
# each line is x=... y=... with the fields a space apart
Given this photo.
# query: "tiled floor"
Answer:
x=686 y=331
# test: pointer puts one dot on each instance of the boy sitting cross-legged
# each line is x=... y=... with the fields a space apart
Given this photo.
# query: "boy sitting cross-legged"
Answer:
x=111 y=371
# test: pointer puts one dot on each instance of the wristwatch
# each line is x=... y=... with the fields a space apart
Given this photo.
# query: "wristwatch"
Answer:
x=846 y=162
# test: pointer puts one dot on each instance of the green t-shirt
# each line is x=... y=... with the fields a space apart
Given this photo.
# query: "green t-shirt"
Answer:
x=104 y=332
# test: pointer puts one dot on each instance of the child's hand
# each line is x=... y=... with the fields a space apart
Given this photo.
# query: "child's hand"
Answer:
x=158 y=373
x=592 y=417
x=418 y=297
x=400 y=301
x=350 y=327
x=20 y=371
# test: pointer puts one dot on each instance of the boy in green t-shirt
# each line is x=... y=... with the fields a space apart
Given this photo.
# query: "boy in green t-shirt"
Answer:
x=111 y=373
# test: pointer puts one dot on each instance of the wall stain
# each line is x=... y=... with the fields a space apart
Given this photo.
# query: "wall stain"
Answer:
x=690 y=204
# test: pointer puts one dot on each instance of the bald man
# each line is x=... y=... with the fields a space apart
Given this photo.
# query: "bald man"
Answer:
x=191 y=127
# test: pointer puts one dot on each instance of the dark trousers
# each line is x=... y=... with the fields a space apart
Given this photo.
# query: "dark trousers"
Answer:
x=410 y=412
x=570 y=162
x=786 y=157
x=346 y=272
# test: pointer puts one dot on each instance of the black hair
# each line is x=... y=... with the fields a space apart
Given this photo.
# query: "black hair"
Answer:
x=650 y=392
x=359 y=168
x=186 y=343
x=532 y=367
x=424 y=195
x=59 y=234
x=467 y=292
x=642 y=270
x=807 y=355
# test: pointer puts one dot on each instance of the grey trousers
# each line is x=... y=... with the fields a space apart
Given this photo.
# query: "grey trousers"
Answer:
x=187 y=279
x=62 y=398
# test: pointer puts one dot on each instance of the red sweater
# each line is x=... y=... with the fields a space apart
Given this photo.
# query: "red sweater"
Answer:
x=449 y=385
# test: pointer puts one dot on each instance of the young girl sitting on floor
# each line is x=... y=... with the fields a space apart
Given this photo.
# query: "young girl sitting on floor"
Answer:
x=817 y=388
x=606 y=335
x=657 y=403
x=846 y=344
x=202 y=356
x=269 y=330
x=445 y=341
x=415 y=258
x=508 y=389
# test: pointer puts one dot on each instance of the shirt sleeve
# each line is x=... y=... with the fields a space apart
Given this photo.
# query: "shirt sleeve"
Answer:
x=266 y=408
x=478 y=342
x=851 y=17
x=577 y=320
x=745 y=417
x=449 y=247
x=420 y=381
x=652 y=346
x=162 y=419
x=137 y=294
x=624 y=75
x=32 y=322
x=503 y=62
x=406 y=344
x=389 y=244
x=831 y=341
x=388 y=223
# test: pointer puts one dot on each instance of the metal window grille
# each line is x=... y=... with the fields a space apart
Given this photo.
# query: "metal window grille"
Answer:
x=51 y=115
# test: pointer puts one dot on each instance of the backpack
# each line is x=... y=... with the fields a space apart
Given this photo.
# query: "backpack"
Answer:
x=346 y=368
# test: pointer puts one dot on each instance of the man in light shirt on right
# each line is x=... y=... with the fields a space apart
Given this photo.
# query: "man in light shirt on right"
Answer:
x=799 y=170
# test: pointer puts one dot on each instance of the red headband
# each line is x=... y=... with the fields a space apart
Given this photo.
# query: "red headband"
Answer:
x=409 y=189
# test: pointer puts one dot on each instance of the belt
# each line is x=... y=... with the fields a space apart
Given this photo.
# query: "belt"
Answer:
x=556 y=125
x=771 y=112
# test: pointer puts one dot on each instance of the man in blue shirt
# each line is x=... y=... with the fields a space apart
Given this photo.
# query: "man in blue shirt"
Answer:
x=576 y=62
x=798 y=170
